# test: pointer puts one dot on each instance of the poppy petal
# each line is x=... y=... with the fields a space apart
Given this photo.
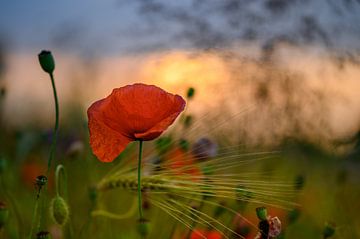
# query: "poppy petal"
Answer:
x=106 y=143
x=144 y=111
x=163 y=124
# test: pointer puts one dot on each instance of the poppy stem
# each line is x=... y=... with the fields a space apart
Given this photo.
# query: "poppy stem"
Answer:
x=56 y=127
x=60 y=169
x=139 y=180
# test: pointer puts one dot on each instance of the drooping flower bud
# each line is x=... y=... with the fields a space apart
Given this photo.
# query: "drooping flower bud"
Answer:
x=59 y=210
x=47 y=62
x=4 y=214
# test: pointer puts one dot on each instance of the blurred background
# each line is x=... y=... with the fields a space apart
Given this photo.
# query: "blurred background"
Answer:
x=294 y=66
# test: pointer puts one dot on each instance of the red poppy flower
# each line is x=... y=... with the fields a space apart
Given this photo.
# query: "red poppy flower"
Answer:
x=133 y=112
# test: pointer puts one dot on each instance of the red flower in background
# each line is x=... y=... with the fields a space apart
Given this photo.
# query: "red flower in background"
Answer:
x=133 y=112
x=201 y=234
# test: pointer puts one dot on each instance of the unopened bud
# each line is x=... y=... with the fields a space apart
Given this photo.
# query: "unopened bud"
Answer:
x=190 y=93
x=143 y=227
x=47 y=62
x=59 y=210
x=261 y=213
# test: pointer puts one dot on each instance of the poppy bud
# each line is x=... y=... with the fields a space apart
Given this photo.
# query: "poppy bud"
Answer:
x=59 y=210
x=329 y=230
x=143 y=227
x=4 y=214
x=43 y=235
x=261 y=213
x=190 y=93
x=47 y=62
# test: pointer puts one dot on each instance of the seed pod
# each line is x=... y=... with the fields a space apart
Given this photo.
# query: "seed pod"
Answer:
x=261 y=213
x=59 y=210
x=190 y=93
x=143 y=227
x=47 y=62
x=4 y=214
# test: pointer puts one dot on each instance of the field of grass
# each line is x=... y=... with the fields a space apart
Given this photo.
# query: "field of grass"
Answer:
x=195 y=184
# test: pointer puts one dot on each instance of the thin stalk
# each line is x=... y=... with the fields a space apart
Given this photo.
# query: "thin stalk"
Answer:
x=60 y=169
x=33 y=219
x=139 y=180
x=56 y=127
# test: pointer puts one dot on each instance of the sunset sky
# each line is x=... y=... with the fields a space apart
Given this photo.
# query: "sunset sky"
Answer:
x=227 y=50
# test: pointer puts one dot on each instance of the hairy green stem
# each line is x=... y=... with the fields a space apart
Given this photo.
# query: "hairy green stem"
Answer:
x=56 y=127
x=51 y=156
x=139 y=180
